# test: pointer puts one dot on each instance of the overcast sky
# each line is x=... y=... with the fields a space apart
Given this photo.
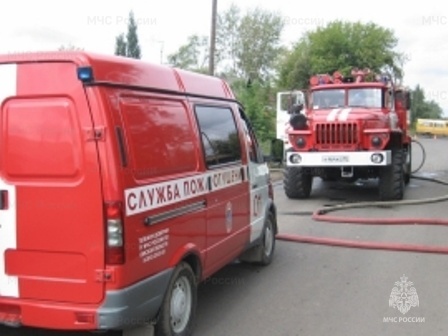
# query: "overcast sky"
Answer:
x=163 y=25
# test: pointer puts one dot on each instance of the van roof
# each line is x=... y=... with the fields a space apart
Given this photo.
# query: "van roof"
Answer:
x=129 y=71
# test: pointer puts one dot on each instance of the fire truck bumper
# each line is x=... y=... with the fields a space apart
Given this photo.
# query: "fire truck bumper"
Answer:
x=338 y=159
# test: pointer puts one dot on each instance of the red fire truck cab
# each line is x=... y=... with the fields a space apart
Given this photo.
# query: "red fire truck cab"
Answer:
x=122 y=186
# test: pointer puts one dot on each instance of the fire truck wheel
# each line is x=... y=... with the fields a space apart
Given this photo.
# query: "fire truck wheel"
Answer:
x=408 y=165
x=179 y=305
x=297 y=182
x=391 y=182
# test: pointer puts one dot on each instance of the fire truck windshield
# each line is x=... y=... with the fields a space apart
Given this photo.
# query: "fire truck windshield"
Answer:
x=326 y=99
x=356 y=97
x=365 y=97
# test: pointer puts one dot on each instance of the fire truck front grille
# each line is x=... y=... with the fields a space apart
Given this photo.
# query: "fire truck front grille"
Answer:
x=336 y=134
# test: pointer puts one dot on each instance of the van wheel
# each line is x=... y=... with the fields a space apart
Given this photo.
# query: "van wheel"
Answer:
x=179 y=305
x=263 y=253
x=267 y=246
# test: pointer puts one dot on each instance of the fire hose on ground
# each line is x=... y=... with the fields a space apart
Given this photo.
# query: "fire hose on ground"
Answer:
x=321 y=215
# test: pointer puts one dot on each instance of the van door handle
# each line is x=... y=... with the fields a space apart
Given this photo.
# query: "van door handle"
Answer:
x=3 y=199
x=254 y=186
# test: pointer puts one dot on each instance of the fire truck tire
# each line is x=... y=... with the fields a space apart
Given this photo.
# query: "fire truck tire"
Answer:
x=179 y=304
x=297 y=182
x=392 y=179
x=408 y=165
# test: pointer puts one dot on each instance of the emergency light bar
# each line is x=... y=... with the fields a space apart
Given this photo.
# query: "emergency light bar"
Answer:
x=357 y=76
x=85 y=74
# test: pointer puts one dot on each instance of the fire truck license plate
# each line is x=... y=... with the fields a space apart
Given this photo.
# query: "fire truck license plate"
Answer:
x=335 y=158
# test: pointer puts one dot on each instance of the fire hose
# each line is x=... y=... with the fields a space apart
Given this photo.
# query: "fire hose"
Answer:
x=321 y=215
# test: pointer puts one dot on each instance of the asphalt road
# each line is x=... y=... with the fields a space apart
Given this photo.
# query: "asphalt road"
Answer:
x=319 y=290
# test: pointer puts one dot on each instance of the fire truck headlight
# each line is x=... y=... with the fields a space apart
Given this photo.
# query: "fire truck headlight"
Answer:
x=295 y=158
x=377 y=158
x=301 y=142
x=376 y=141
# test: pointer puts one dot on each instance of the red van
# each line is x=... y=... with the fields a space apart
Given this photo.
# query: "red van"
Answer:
x=123 y=185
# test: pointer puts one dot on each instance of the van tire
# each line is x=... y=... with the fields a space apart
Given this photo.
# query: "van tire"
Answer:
x=297 y=182
x=181 y=291
x=392 y=179
x=263 y=253
x=267 y=246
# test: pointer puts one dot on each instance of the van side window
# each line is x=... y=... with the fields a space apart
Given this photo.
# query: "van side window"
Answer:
x=219 y=135
x=159 y=135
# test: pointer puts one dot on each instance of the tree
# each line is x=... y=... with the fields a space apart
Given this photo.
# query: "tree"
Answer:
x=69 y=47
x=421 y=108
x=132 y=45
x=128 y=46
x=256 y=97
x=341 y=46
x=227 y=39
x=418 y=102
x=259 y=43
x=247 y=46
x=192 y=56
x=120 y=45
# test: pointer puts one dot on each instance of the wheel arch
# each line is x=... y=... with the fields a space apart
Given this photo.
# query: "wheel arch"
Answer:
x=191 y=255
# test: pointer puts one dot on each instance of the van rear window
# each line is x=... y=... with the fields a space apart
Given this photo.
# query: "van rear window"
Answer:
x=41 y=139
x=159 y=135
x=219 y=135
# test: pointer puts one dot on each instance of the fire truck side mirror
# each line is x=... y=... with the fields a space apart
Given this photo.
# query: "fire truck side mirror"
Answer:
x=408 y=100
x=295 y=109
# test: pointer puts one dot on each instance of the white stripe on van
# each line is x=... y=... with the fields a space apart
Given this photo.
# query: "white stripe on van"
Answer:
x=9 y=285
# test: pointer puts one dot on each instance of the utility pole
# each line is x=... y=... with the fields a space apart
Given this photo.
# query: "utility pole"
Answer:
x=211 y=65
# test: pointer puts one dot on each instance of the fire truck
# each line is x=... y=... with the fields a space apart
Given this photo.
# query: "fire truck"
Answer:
x=346 y=128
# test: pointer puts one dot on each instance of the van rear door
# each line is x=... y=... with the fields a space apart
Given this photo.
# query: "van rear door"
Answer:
x=51 y=211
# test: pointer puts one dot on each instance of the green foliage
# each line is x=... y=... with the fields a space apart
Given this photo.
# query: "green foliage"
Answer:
x=128 y=46
x=193 y=55
x=259 y=33
x=341 y=46
x=132 y=45
x=120 y=45
x=247 y=46
x=256 y=99
x=423 y=109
